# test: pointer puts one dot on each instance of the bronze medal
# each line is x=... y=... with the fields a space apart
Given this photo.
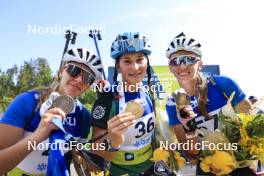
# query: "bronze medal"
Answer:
x=181 y=100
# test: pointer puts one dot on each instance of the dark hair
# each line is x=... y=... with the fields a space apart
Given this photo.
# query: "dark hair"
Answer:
x=115 y=71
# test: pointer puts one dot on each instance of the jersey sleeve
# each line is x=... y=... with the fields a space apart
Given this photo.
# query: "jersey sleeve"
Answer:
x=171 y=111
x=20 y=110
x=101 y=110
x=228 y=86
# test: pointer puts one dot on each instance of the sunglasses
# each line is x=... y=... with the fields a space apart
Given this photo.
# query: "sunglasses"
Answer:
x=187 y=60
x=74 y=71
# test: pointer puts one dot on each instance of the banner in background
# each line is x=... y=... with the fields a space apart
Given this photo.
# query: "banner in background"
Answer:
x=164 y=80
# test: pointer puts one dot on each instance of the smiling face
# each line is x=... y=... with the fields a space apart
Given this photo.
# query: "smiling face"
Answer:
x=133 y=67
x=72 y=86
x=185 y=73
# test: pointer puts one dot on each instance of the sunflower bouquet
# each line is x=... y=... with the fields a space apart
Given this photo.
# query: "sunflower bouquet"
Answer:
x=100 y=173
x=243 y=132
x=247 y=130
x=217 y=160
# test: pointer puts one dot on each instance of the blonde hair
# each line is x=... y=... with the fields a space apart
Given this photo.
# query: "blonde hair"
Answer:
x=54 y=87
x=45 y=92
x=201 y=92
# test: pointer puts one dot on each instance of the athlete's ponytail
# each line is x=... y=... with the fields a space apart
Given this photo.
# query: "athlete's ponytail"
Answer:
x=149 y=84
x=202 y=95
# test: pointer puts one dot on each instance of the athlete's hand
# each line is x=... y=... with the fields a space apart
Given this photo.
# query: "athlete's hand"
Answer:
x=102 y=84
x=254 y=165
x=46 y=126
x=188 y=111
x=117 y=126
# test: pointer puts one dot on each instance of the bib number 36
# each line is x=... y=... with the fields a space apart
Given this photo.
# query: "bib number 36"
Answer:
x=144 y=128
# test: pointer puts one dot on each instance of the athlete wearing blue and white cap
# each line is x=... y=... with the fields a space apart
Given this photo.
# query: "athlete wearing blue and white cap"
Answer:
x=133 y=145
x=129 y=42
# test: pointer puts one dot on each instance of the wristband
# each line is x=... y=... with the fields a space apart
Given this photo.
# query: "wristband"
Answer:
x=108 y=145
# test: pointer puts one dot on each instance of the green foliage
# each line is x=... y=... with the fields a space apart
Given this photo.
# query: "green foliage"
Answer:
x=242 y=154
x=42 y=72
x=207 y=152
x=256 y=127
x=32 y=74
x=231 y=129
x=88 y=98
x=4 y=102
x=7 y=85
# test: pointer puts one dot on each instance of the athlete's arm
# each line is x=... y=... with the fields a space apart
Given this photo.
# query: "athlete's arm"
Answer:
x=191 y=153
x=181 y=136
x=180 y=133
x=13 y=150
x=243 y=106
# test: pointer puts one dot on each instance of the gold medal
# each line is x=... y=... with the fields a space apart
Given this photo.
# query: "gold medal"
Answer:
x=135 y=108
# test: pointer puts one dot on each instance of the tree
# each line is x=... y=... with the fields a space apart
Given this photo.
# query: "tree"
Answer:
x=32 y=74
x=43 y=72
x=7 y=87
x=88 y=98
x=25 y=76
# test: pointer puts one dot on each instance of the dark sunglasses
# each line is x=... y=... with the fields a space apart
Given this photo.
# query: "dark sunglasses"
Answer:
x=74 y=71
x=187 y=60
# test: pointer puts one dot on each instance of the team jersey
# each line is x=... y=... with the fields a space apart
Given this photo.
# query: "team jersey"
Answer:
x=136 y=150
x=219 y=89
x=22 y=113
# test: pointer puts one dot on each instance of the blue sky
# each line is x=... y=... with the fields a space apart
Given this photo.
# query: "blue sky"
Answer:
x=230 y=31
